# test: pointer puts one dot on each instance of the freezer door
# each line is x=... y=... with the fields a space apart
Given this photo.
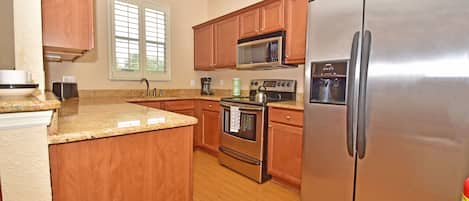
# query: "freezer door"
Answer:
x=328 y=163
x=417 y=101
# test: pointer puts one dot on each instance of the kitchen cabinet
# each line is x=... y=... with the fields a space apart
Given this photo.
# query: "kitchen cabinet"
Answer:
x=204 y=48
x=249 y=24
x=128 y=167
x=296 y=16
x=210 y=125
x=68 y=28
x=285 y=136
x=215 y=41
x=226 y=40
x=272 y=17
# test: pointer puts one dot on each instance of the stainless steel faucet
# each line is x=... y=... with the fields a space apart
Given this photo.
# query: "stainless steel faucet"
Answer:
x=147 y=84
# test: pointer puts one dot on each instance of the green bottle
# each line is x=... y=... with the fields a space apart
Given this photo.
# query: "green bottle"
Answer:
x=236 y=87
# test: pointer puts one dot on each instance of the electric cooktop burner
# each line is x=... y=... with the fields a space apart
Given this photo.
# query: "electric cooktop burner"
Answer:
x=276 y=90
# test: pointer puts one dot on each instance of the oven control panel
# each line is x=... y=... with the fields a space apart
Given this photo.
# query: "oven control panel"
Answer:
x=274 y=85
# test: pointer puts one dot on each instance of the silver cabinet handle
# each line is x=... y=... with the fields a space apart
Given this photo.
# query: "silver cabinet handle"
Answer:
x=362 y=119
x=350 y=94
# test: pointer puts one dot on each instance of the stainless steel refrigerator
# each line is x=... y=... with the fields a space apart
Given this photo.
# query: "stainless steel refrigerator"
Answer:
x=402 y=133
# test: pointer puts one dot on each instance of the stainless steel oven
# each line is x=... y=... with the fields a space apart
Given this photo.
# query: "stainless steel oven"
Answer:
x=243 y=145
x=244 y=149
x=249 y=139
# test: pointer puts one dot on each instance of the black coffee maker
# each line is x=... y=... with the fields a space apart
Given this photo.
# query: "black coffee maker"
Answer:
x=205 y=90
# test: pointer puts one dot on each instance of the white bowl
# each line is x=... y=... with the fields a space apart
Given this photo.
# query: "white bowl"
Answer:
x=15 y=77
x=17 y=92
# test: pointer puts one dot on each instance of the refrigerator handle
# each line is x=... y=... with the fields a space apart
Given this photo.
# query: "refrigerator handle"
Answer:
x=362 y=119
x=350 y=93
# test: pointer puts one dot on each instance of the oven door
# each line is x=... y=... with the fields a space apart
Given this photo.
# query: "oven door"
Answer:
x=249 y=139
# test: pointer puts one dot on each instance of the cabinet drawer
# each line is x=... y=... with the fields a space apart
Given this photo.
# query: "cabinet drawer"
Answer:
x=155 y=104
x=292 y=117
x=210 y=105
x=179 y=105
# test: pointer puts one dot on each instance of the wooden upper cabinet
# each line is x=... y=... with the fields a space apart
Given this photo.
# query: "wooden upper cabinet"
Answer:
x=203 y=47
x=226 y=39
x=272 y=17
x=296 y=17
x=249 y=23
x=68 y=26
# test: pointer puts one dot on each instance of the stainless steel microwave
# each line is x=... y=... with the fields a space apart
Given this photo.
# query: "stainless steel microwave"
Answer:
x=262 y=52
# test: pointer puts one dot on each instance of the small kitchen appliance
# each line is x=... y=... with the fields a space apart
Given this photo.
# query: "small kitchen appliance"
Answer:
x=243 y=146
x=206 y=83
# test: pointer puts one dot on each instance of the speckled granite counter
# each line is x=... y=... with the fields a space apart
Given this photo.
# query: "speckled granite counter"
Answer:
x=91 y=118
x=292 y=105
x=147 y=99
x=38 y=102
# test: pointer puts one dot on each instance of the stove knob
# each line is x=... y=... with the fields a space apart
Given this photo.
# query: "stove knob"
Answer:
x=288 y=84
x=278 y=84
x=252 y=83
x=283 y=84
x=256 y=83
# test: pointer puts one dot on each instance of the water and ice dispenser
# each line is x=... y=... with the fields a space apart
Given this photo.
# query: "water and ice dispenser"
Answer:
x=329 y=82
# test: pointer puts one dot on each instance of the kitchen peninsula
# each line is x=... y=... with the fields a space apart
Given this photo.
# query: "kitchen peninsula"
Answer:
x=107 y=149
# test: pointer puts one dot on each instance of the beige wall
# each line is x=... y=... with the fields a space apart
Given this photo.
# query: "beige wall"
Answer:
x=92 y=70
x=28 y=38
x=7 y=44
x=218 y=8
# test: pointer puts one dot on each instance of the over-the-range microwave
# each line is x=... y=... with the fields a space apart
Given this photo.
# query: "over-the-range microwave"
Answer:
x=262 y=52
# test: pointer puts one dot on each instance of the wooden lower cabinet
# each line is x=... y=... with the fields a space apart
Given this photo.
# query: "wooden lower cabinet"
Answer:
x=209 y=121
x=147 y=166
x=285 y=149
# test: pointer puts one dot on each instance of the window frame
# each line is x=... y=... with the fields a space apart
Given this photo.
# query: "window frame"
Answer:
x=115 y=74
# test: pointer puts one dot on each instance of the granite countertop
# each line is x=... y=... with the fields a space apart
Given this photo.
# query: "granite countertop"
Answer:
x=40 y=101
x=197 y=97
x=99 y=117
x=292 y=105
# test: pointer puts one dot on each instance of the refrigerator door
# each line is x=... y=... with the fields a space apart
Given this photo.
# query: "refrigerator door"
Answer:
x=328 y=163
x=417 y=101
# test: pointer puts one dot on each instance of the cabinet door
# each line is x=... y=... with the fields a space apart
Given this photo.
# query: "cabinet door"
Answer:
x=203 y=47
x=189 y=112
x=226 y=39
x=211 y=130
x=296 y=16
x=153 y=104
x=249 y=23
x=68 y=24
x=285 y=152
x=272 y=17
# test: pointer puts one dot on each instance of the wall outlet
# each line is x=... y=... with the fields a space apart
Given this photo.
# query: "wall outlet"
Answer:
x=192 y=83
x=222 y=83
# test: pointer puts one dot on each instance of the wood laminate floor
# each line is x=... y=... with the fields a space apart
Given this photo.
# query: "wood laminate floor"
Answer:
x=213 y=182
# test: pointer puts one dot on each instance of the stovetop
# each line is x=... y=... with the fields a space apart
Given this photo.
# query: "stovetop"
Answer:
x=275 y=90
x=250 y=100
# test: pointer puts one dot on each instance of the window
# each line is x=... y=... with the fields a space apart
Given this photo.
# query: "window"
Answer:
x=139 y=40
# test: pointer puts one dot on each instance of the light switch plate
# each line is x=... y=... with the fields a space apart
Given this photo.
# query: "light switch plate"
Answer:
x=192 y=83
x=222 y=82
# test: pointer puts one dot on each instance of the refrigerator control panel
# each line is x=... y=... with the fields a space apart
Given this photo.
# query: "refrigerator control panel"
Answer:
x=329 y=82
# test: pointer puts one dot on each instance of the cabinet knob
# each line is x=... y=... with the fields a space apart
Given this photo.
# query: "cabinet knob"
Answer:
x=209 y=105
x=288 y=117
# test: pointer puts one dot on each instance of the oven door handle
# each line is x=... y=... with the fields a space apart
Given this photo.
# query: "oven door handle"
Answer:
x=239 y=156
x=246 y=108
